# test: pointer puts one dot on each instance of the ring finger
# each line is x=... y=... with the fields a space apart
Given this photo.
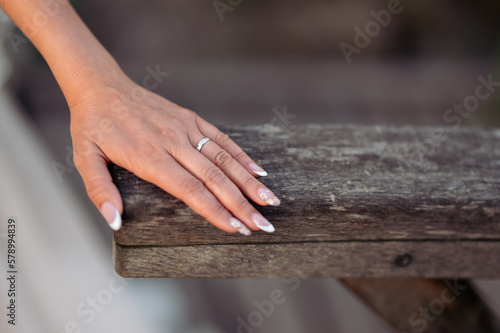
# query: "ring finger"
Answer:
x=240 y=176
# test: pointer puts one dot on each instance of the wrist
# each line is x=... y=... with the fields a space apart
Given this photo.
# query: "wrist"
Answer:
x=99 y=73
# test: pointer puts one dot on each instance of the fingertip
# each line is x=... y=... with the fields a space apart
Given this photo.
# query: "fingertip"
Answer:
x=257 y=169
x=112 y=215
x=261 y=173
x=262 y=223
x=239 y=226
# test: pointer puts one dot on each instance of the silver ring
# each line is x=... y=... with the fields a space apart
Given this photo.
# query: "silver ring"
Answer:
x=201 y=143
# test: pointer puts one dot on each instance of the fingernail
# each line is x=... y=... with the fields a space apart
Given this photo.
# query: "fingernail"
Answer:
x=268 y=197
x=262 y=223
x=111 y=215
x=239 y=226
x=257 y=169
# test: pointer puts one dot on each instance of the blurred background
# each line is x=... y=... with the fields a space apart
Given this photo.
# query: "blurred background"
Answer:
x=231 y=67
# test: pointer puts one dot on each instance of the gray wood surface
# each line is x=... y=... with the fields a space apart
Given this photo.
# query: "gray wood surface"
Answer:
x=362 y=194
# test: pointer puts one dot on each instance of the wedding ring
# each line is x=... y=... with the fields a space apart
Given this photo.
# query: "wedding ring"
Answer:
x=201 y=143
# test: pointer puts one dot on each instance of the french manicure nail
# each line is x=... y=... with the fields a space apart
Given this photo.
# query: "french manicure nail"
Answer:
x=111 y=215
x=258 y=170
x=262 y=223
x=239 y=226
x=268 y=197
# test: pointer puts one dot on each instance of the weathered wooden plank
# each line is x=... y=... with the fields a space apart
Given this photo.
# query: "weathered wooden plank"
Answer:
x=431 y=306
x=428 y=259
x=341 y=182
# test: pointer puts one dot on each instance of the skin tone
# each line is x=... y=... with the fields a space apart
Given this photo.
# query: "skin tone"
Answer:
x=114 y=120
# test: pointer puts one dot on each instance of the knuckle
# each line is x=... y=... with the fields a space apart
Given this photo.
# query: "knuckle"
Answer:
x=188 y=113
x=241 y=203
x=176 y=123
x=213 y=176
x=240 y=155
x=249 y=181
x=222 y=159
x=191 y=186
x=81 y=151
x=222 y=138
x=172 y=135
x=218 y=209
x=97 y=189
x=197 y=119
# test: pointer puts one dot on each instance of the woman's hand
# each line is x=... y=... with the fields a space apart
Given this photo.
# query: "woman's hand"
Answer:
x=114 y=120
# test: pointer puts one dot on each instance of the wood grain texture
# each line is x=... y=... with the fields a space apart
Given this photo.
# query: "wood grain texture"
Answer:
x=398 y=259
x=357 y=202
x=341 y=182
x=431 y=306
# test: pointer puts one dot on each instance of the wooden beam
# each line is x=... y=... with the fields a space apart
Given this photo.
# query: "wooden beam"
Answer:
x=431 y=306
x=362 y=194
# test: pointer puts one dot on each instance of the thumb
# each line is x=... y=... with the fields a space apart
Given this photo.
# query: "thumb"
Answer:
x=101 y=189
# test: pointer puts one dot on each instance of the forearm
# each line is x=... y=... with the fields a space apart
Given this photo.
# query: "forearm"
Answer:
x=157 y=141
x=75 y=56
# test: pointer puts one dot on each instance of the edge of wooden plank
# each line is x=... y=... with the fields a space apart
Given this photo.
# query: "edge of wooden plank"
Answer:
x=353 y=259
